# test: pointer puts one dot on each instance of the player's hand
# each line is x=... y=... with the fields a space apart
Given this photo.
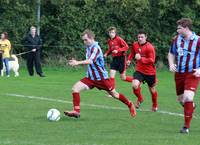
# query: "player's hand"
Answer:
x=128 y=62
x=73 y=62
x=105 y=55
x=197 y=72
x=33 y=50
x=115 y=51
x=172 y=67
x=137 y=56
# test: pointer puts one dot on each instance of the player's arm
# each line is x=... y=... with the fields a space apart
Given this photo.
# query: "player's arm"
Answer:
x=171 y=61
x=197 y=70
x=91 y=60
x=74 y=62
x=131 y=55
x=150 y=59
x=108 y=52
x=171 y=57
x=123 y=46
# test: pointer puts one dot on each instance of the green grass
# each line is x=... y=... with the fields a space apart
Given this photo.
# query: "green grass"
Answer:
x=23 y=120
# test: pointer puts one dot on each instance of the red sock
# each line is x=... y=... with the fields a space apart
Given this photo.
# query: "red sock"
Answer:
x=188 y=111
x=76 y=101
x=113 y=82
x=154 y=96
x=123 y=99
x=138 y=94
x=129 y=79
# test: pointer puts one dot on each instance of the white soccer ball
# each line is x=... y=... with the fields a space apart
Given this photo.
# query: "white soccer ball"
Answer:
x=53 y=115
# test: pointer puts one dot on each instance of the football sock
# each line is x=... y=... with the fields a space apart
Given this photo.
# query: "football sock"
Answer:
x=188 y=111
x=123 y=99
x=154 y=96
x=76 y=101
x=138 y=94
x=113 y=82
x=129 y=79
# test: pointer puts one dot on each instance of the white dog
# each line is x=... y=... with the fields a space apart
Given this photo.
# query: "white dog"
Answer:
x=13 y=65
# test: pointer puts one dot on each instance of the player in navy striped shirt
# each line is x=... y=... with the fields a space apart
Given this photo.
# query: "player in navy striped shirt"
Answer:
x=97 y=76
x=184 y=60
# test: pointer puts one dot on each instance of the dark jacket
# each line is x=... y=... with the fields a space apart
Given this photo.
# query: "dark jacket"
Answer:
x=32 y=43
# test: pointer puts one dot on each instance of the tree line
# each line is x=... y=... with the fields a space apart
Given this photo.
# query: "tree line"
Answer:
x=63 y=21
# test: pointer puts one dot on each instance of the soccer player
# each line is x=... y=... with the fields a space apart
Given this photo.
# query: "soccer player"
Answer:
x=118 y=48
x=183 y=58
x=145 y=71
x=97 y=76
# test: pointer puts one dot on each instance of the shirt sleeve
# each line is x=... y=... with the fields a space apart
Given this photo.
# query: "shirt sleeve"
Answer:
x=108 y=52
x=123 y=45
x=9 y=45
x=132 y=54
x=172 y=49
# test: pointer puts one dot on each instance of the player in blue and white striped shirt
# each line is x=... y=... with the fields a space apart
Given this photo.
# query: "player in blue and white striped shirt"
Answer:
x=97 y=76
x=184 y=60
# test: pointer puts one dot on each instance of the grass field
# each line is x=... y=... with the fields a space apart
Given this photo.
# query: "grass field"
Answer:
x=24 y=102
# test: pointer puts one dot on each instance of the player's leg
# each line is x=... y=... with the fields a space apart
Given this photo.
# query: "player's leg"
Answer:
x=154 y=97
x=180 y=99
x=76 y=89
x=112 y=76
x=126 y=78
x=122 y=70
x=188 y=109
x=136 y=83
x=189 y=84
x=151 y=81
x=124 y=100
x=113 y=68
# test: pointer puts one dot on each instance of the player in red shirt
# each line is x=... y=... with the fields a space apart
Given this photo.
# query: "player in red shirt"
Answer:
x=145 y=71
x=118 y=48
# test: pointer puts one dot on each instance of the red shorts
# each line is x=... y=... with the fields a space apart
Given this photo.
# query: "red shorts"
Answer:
x=101 y=85
x=186 y=81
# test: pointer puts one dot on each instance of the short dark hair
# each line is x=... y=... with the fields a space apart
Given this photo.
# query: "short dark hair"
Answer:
x=185 y=22
x=112 y=28
x=142 y=31
x=89 y=33
x=5 y=34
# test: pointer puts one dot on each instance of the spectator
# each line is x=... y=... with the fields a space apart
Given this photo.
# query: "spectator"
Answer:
x=33 y=44
x=5 y=47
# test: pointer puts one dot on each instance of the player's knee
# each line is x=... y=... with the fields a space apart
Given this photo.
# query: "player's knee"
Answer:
x=75 y=89
x=152 y=90
x=114 y=94
x=135 y=85
x=123 y=78
x=188 y=96
x=188 y=99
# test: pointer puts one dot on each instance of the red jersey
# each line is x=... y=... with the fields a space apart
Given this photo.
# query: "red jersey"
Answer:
x=146 y=64
x=117 y=44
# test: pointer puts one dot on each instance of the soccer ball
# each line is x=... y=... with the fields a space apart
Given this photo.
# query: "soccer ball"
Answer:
x=53 y=115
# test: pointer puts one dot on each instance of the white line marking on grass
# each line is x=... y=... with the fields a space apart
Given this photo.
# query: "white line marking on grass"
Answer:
x=63 y=101
x=92 y=105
